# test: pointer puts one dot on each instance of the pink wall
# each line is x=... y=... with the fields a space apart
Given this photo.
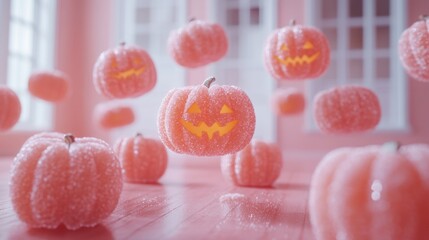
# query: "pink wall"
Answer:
x=82 y=34
x=292 y=136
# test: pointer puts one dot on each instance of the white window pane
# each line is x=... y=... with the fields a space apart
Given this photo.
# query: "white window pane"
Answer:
x=232 y=17
x=23 y=9
x=329 y=9
x=143 y=40
x=382 y=8
x=382 y=37
x=331 y=34
x=355 y=8
x=143 y=15
x=356 y=38
x=382 y=68
x=21 y=39
x=356 y=70
x=13 y=72
x=254 y=16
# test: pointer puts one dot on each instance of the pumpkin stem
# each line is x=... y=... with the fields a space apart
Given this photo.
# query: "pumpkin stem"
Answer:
x=424 y=17
x=122 y=44
x=391 y=146
x=191 y=19
x=139 y=134
x=209 y=81
x=69 y=139
x=292 y=22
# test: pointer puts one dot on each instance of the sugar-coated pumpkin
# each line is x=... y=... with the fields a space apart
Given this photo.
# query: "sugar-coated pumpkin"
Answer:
x=197 y=44
x=124 y=72
x=10 y=108
x=206 y=120
x=256 y=165
x=346 y=109
x=52 y=86
x=296 y=52
x=413 y=49
x=58 y=179
x=288 y=101
x=371 y=193
x=143 y=159
x=110 y=115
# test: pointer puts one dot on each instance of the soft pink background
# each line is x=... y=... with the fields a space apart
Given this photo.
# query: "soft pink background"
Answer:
x=82 y=34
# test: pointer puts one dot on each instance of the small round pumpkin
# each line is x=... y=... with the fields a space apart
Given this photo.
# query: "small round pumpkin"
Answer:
x=346 y=109
x=371 y=192
x=10 y=108
x=52 y=86
x=197 y=44
x=413 y=45
x=143 y=160
x=206 y=120
x=257 y=165
x=296 y=52
x=288 y=101
x=109 y=115
x=58 y=179
x=124 y=72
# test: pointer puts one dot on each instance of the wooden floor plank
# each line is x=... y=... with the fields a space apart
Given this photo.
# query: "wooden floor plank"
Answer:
x=191 y=201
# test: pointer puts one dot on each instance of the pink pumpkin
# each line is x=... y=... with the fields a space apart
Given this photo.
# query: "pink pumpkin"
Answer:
x=108 y=115
x=256 y=165
x=296 y=52
x=124 y=72
x=413 y=49
x=58 y=179
x=206 y=120
x=371 y=193
x=51 y=86
x=10 y=108
x=346 y=109
x=197 y=44
x=288 y=101
x=143 y=159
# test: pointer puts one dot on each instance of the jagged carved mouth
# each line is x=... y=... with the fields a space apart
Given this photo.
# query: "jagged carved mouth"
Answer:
x=129 y=73
x=298 y=60
x=202 y=127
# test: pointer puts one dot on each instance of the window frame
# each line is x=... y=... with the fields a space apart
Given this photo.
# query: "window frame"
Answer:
x=40 y=114
x=398 y=87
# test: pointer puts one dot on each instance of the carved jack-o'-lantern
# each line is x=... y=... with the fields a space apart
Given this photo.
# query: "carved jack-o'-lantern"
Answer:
x=296 y=52
x=123 y=72
x=206 y=120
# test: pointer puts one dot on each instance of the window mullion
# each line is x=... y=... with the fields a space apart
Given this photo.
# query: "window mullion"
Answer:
x=368 y=45
x=4 y=38
x=343 y=40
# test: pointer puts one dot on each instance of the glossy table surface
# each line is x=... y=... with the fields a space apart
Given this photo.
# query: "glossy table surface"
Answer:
x=191 y=201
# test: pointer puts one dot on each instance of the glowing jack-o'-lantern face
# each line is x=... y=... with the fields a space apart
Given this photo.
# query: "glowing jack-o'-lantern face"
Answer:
x=297 y=52
x=124 y=72
x=206 y=120
x=300 y=59
x=202 y=127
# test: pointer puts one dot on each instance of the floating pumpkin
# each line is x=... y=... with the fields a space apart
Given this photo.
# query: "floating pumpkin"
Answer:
x=372 y=192
x=413 y=45
x=10 y=108
x=197 y=44
x=52 y=86
x=109 y=115
x=257 y=165
x=346 y=109
x=58 y=179
x=143 y=159
x=288 y=101
x=206 y=120
x=296 y=52
x=124 y=72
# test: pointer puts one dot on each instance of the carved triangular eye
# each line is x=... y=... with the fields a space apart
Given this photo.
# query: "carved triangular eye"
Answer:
x=226 y=109
x=194 y=108
x=308 y=45
x=284 y=47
